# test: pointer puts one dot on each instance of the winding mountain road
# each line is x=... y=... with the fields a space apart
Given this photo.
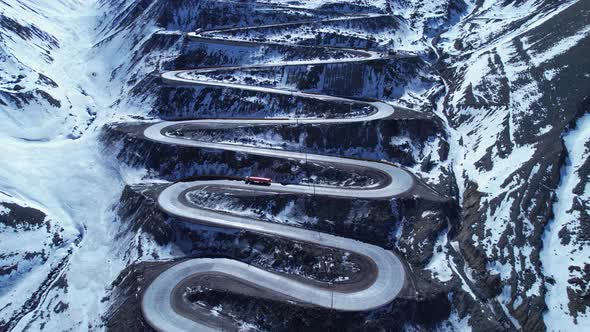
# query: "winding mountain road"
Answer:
x=384 y=276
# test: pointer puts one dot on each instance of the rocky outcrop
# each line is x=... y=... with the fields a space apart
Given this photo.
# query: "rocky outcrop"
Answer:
x=30 y=242
x=511 y=102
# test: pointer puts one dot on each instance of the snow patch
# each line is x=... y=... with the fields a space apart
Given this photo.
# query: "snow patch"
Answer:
x=538 y=58
x=438 y=264
x=557 y=256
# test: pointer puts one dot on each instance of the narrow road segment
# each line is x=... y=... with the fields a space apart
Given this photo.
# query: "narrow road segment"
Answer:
x=387 y=276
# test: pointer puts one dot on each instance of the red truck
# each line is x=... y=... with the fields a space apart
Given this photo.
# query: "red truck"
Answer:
x=258 y=181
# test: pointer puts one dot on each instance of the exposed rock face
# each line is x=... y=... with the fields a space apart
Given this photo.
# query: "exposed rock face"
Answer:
x=22 y=85
x=29 y=247
x=33 y=94
x=515 y=89
x=502 y=89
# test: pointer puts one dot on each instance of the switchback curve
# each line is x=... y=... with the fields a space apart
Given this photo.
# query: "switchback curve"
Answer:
x=385 y=282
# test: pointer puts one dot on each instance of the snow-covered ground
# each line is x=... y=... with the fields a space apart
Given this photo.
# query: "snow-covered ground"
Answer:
x=52 y=161
x=51 y=59
x=513 y=66
x=559 y=254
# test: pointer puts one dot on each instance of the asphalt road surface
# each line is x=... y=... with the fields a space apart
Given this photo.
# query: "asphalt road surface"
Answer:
x=382 y=279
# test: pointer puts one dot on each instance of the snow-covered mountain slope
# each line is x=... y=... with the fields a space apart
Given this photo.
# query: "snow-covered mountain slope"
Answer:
x=33 y=250
x=429 y=18
x=566 y=239
x=517 y=79
x=41 y=86
x=56 y=189
x=508 y=79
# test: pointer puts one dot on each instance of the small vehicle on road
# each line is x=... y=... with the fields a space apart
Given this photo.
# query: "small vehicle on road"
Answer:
x=258 y=181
